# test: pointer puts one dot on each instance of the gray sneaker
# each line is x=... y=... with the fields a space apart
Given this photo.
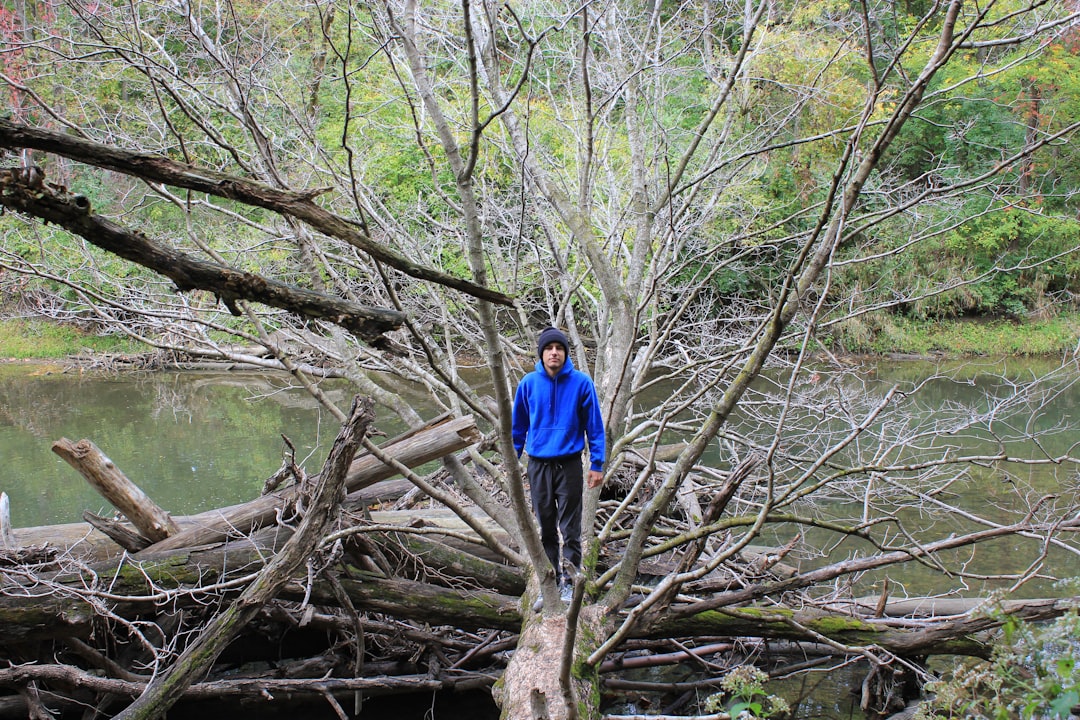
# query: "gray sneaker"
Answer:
x=566 y=592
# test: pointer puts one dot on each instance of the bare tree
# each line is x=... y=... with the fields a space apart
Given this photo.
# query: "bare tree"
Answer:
x=467 y=173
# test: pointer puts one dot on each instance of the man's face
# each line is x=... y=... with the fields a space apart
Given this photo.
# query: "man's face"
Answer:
x=553 y=357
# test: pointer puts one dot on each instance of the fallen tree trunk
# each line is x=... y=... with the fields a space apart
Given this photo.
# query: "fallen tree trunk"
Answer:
x=151 y=521
x=302 y=206
x=87 y=544
x=412 y=450
x=426 y=556
x=166 y=688
x=266 y=689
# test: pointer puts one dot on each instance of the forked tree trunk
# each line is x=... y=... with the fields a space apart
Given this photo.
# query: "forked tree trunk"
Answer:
x=541 y=682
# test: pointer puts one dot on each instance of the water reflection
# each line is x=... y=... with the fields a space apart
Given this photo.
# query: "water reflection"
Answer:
x=191 y=441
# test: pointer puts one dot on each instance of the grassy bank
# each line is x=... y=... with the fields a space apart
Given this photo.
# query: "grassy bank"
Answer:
x=887 y=334
x=22 y=339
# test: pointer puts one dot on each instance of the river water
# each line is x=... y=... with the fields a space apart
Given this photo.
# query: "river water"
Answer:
x=191 y=441
x=196 y=441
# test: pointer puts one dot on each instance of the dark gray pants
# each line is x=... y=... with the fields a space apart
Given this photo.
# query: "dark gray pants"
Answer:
x=556 y=487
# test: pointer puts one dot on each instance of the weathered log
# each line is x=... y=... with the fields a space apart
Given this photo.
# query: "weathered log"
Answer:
x=959 y=636
x=659 y=659
x=464 y=608
x=268 y=690
x=87 y=544
x=413 y=450
x=29 y=555
x=197 y=658
x=930 y=607
x=7 y=537
x=458 y=534
x=151 y=521
x=118 y=532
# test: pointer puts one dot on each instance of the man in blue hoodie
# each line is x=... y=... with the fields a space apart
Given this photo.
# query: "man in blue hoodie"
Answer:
x=555 y=408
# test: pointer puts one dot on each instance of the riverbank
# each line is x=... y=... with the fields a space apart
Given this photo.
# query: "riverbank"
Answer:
x=40 y=339
x=889 y=335
x=878 y=335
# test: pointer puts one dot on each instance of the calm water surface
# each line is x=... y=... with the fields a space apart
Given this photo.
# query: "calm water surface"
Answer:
x=191 y=441
x=198 y=440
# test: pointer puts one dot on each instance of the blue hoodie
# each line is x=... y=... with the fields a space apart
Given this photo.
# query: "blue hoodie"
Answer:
x=552 y=416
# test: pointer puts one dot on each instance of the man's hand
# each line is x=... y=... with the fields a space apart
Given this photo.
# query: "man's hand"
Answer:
x=595 y=479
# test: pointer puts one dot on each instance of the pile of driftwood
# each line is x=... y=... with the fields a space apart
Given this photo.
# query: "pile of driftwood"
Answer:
x=303 y=593
x=314 y=592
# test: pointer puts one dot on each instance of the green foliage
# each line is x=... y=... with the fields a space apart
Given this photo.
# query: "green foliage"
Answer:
x=352 y=116
x=1004 y=261
x=1021 y=257
x=1003 y=256
x=953 y=137
x=883 y=333
x=1033 y=674
x=744 y=696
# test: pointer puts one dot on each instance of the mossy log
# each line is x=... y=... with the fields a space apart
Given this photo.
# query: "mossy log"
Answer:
x=956 y=636
x=57 y=605
x=50 y=606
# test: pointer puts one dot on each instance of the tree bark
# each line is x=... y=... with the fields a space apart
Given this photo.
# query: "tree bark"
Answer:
x=151 y=521
x=445 y=559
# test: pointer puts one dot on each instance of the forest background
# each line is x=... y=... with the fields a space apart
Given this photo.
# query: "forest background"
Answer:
x=1005 y=254
x=719 y=198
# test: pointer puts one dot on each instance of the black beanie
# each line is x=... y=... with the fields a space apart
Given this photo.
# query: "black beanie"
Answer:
x=550 y=335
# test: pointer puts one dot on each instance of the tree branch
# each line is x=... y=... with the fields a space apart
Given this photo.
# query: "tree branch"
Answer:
x=165 y=690
x=155 y=168
x=73 y=213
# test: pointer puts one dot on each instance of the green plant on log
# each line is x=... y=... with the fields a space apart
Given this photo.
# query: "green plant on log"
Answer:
x=1033 y=674
x=743 y=696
